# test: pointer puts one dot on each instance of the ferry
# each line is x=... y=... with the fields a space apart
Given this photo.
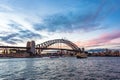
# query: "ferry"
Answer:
x=81 y=55
x=54 y=56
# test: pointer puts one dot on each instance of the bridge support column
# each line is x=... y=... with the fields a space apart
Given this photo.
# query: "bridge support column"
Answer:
x=39 y=51
x=31 y=47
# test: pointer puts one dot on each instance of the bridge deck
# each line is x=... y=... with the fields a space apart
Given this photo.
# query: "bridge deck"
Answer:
x=38 y=48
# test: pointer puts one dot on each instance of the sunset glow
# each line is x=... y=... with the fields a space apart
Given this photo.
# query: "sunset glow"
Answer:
x=88 y=23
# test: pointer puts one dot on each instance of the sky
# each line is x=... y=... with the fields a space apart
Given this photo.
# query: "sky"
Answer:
x=87 y=23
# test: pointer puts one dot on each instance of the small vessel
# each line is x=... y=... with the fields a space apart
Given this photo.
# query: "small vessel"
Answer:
x=81 y=55
x=54 y=56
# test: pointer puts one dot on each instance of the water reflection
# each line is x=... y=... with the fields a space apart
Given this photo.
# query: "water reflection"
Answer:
x=69 y=68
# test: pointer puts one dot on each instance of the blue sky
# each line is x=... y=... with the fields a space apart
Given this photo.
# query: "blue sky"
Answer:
x=88 y=23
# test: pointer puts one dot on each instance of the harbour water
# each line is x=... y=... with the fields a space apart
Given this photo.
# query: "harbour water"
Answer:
x=66 y=68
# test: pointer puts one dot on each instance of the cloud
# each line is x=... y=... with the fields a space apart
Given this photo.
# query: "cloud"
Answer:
x=75 y=20
x=19 y=23
x=15 y=25
x=68 y=22
x=29 y=34
x=15 y=28
x=5 y=8
x=104 y=39
x=8 y=38
x=21 y=36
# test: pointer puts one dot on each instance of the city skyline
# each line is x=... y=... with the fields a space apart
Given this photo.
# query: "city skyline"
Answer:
x=88 y=23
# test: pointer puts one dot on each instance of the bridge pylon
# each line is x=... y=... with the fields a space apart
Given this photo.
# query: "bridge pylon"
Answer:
x=31 y=47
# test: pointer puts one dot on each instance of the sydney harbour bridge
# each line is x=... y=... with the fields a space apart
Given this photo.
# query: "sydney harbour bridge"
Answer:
x=34 y=49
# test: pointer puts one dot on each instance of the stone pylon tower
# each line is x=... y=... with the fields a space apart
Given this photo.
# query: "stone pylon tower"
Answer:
x=31 y=47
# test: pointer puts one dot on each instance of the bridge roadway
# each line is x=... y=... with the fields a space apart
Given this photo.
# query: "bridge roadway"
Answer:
x=58 y=49
x=13 y=47
x=38 y=48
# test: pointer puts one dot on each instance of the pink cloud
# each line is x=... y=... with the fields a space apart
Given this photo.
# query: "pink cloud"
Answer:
x=104 y=39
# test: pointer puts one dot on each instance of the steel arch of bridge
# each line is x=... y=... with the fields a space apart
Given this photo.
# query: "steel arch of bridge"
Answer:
x=51 y=42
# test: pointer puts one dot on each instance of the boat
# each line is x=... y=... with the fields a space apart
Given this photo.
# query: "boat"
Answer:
x=54 y=56
x=81 y=55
